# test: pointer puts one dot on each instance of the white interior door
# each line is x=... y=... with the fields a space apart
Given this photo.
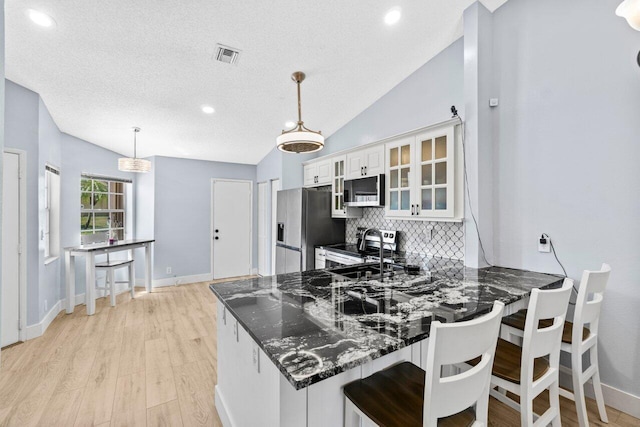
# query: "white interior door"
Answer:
x=263 y=264
x=232 y=228
x=10 y=332
x=275 y=187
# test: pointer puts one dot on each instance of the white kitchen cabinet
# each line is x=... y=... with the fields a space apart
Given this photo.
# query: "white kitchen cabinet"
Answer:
x=365 y=162
x=423 y=176
x=338 y=209
x=317 y=173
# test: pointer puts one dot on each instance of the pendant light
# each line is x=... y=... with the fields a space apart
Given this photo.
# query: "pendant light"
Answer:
x=128 y=164
x=300 y=139
x=630 y=10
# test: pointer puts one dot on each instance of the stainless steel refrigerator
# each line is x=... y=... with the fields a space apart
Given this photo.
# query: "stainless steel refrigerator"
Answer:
x=303 y=221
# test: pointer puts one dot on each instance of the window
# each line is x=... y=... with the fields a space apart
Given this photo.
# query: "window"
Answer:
x=103 y=204
x=51 y=223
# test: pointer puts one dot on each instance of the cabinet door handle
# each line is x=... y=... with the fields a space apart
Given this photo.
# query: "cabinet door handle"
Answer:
x=365 y=170
x=217 y=238
x=361 y=170
x=412 y=209
x=418 y=209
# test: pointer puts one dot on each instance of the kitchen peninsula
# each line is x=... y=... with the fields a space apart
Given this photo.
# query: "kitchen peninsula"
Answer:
x=288 y=343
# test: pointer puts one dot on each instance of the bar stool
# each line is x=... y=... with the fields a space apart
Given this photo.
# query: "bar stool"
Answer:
x=110 y=266
x=523 y=370
x=577 y=339
x=405 y=395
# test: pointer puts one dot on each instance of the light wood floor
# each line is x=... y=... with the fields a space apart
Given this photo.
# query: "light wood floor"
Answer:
x=148 y=361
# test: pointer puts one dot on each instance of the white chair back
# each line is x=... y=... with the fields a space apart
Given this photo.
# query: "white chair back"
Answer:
x=454 y=343
x=538 y=342
x=589 y=302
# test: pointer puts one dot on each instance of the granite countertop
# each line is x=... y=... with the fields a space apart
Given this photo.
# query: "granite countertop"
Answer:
x=316 y=324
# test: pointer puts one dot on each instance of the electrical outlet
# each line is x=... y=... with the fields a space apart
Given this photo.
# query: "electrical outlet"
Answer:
x=428 y=233
x=544 y=243
x=168 y=270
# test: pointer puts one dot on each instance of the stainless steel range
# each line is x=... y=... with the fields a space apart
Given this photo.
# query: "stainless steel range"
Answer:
x=349 y=254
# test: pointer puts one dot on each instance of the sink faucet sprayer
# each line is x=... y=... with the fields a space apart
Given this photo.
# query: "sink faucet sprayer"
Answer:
x=363 y=245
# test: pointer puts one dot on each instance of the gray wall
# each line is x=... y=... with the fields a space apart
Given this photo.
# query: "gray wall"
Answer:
x=2 y=93
x=183 y=219
x=566 y=156
x=423 y=98
x=49 y=151
x=21 y=131
x=79 y=156
x=29 y=127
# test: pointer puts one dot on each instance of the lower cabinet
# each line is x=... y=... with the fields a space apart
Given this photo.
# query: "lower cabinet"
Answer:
x=251 y=391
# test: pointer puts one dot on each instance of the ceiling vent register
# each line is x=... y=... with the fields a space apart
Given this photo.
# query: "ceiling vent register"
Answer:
x=226 y=54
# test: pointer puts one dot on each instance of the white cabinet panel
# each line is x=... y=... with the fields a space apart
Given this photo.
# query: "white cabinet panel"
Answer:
x=374 y=161
x=317 y=173
x=365 y=162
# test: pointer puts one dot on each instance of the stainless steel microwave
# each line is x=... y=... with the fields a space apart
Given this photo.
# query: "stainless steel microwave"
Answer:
x=367 y=191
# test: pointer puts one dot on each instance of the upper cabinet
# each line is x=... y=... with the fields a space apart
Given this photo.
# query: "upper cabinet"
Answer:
x=338 y=209
x=365 y=162
x=337 y=187
x=317 y=173
x=423 y=176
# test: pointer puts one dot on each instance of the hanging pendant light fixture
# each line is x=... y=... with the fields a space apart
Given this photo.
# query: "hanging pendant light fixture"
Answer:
x=300 y=139
x=630 y=10
x=128 y=164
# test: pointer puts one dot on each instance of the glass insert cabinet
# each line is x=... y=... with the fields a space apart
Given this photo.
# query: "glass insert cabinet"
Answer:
x=420 y=175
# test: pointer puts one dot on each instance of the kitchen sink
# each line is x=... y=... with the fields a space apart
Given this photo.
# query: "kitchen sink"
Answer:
x=363 y=270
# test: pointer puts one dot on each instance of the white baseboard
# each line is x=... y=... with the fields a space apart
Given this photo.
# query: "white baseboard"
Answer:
x=34 y=331
x=174 y=281
x=617 y=399
x=222 y=409
x=254 y=271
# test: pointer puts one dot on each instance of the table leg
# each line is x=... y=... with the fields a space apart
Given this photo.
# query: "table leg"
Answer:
x=147 y=267
x=70 y=276
x=90 y=284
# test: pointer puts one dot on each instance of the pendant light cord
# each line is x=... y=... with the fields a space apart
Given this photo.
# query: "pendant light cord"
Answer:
x=135 y=151
x=299 y=105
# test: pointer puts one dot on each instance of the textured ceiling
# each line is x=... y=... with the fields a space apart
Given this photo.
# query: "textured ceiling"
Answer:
x=110 y=65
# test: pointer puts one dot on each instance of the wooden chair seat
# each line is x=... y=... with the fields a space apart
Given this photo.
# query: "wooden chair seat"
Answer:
x=394 y=397
x=508 y=358
x=517 y=320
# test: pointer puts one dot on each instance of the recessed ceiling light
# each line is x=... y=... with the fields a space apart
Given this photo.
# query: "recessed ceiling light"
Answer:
x=40 y=18
x=289 y=124
x=208 y=109
x=393 y=16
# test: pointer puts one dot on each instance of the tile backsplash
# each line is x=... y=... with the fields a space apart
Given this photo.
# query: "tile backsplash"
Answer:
x=447 y=238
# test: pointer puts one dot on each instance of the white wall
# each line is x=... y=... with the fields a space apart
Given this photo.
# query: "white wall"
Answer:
x=567 y=152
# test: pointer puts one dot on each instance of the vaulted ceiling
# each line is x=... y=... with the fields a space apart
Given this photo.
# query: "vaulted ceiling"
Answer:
x=107 y=66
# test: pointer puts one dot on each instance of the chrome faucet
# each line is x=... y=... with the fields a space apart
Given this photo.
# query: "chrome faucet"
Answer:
x=363 y=245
